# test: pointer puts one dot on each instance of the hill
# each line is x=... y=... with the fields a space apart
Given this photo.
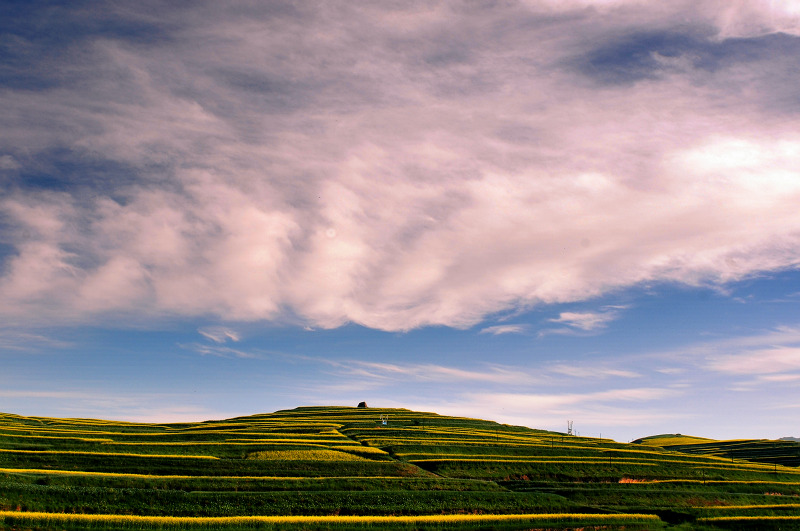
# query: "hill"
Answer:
x=782 y=451
x=348 y=468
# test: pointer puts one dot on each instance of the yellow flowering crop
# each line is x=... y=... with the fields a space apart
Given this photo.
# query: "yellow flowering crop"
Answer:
x=244 y=520
x=306 y=455
x=358 y=449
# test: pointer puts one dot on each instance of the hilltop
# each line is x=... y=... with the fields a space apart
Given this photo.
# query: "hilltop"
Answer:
x=343 y=468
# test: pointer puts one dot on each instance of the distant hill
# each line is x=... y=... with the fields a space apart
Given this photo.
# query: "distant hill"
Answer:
x=785 y=451
x=670 y=439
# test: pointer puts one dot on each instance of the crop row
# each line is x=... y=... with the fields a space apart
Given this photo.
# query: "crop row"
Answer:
x=300 y=455
x=186 y=435
x=172 y=502
x=109 y=454
x=251 y=521
x=238 y=483
x=417 y=456
x=179 y=465
x=787 y=505
x=711 y=481
x=194 y=451
x=227 y=442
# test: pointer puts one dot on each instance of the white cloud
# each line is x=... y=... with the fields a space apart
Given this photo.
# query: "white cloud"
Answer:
x=742 y=18
x=224 y=352
x=780 y=377
x=758 y=17
x=130 y=407
x=219 y=334
x=62 y=395
x=671 y=370
x=7 y=162
x=737 y=363
x=634 y=410
x=587 y=321
x=427 y=372
x=407 y=167
x=777 y=342
x=761 y=361
x=504 y=329
x=26 y=341
x=593 y=372
x=545 y=401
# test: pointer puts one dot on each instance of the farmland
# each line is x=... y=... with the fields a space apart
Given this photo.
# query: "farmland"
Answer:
x=780 y=452
x=343 y=468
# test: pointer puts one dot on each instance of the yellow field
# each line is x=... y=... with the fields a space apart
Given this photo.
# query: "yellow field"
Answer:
x=245 y=520
x=672 y=441
x=305 y=455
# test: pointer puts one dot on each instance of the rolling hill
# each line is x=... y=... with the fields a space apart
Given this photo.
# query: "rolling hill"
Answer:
x=356 y=468
x=781 y=451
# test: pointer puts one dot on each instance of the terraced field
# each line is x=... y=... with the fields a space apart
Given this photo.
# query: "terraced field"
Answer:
x=781 y=452
x=342 y=468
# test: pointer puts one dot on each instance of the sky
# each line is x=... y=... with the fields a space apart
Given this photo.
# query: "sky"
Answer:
x=532 y=212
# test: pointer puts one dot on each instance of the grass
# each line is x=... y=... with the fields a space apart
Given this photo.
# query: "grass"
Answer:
x=341 y=468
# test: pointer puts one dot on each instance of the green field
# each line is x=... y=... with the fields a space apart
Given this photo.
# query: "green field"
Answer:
x=342 y=468
x=762 y=451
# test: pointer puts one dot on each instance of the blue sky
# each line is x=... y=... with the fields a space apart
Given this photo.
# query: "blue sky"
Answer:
x=530 y=212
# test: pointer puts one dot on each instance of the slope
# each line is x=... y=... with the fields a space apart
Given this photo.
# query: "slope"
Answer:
x=342 y=468
x=776 y=452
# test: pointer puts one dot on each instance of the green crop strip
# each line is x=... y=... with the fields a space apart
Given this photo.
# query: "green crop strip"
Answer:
x=750 y=519
x=736 y=507
x=528 y=461
x=68 y=452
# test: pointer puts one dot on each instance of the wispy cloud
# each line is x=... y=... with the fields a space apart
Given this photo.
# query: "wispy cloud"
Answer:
x=219 y=334
x=7 y=162
x=132 y=407
x=527 y=400
x=505 y=329
x=741 y=363
x=582 y=322
x=590 y=371
x=587 y=321
x=224 y=352
x=433 y=372
x=30 y=342
x=762 y=361
x=717 y=352
x=637 y=408
x=29 y=393
x=530 y=158
x=781 y=378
